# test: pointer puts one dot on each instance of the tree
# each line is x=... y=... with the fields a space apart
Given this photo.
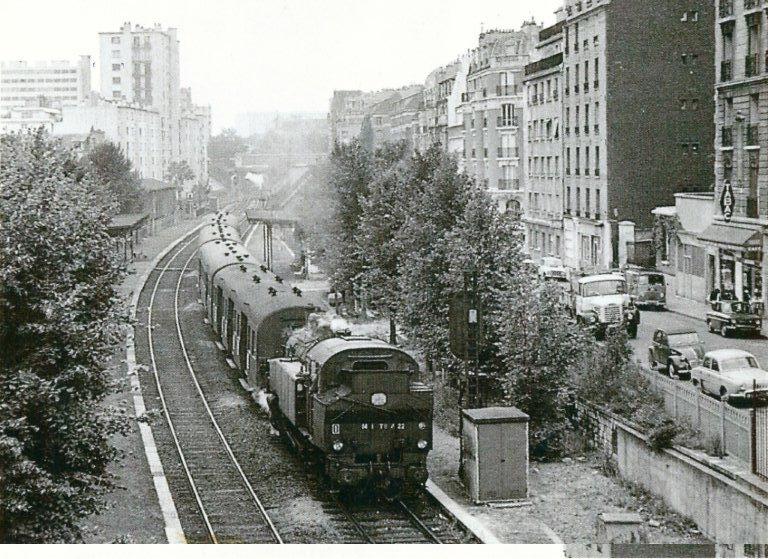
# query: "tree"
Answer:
x=112 y=170
x=61 y=317
x=222 y=150
x=178 y=173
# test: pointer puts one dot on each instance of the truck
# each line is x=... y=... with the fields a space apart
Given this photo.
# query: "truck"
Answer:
x=601 y=302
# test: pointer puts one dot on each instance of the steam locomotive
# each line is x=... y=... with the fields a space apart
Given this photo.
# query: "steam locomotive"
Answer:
x=353 y=405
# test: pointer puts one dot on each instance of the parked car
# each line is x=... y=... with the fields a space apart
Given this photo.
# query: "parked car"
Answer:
x=647 y=288
x=676 y=351
x=730 y=373
x=727 y=317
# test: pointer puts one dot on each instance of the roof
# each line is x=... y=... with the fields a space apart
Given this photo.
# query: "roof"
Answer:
x=126 y=222
x=601 y=277
x=328 y=348
x=154 y=184
x=496 y=415
x=213 y=232
x=728 y=353
x=731 y=236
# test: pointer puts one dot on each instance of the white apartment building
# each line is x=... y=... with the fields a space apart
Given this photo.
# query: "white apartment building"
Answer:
x=195 y=132
x=137 y=130
x=51 y=84
x=22 y=119
x=543 y=164
x=140 y=66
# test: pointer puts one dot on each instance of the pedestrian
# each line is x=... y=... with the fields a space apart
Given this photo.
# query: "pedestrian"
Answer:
x=715 y=295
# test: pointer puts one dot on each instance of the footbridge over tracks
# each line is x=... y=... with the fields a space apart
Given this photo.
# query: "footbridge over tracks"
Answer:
x=267 y=219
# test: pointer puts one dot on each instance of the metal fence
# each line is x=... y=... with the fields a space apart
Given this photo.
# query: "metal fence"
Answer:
x=760 y=438
x=715 y=419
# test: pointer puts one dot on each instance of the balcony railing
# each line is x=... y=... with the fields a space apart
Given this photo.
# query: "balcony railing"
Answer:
x=505 y=90
x=726 y=72
x=726 y=136
x=753 y=138
x=750 y=65
x=509 y=184
x=502 y=122
x=507 y=153
x=726 y=8
x=752 y=208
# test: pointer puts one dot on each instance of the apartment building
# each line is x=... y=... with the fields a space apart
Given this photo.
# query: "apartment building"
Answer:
x=140 y=66
x=195 y=133
x=736 y=242
x=492 y=111
x=543 y=135
x=637 y=106
x=50 y=84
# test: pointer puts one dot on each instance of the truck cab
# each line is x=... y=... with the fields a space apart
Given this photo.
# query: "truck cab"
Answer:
x=601 y=302
x=647 y=288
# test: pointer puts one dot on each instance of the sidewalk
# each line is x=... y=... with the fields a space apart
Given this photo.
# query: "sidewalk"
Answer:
x=133 y=514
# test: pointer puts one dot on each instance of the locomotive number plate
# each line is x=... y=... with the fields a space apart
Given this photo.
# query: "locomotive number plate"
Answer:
x=382 y=426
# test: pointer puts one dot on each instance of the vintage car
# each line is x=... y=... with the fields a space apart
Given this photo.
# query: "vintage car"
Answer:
x=600 y=302
x=732 y=374
x=727 y=317
x=676 y=351
x=647 y=288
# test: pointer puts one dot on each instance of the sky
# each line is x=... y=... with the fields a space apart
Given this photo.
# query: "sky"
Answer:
x=273 y=55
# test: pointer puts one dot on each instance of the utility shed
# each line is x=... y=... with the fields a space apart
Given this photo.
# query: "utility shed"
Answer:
x=495 y=454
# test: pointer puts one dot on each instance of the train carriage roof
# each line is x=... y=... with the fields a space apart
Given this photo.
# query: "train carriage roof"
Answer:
x=218 y=254
x=224 y=218
x=261 y=299
x=214 y=232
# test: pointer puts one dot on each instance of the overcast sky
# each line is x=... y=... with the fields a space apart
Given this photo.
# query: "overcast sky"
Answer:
x=266 y=55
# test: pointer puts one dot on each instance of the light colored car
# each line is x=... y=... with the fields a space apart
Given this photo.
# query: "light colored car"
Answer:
x=730 y=373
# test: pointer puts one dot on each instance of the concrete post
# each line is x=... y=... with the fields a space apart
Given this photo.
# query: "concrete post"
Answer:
x=738 y=279
x=626 y=235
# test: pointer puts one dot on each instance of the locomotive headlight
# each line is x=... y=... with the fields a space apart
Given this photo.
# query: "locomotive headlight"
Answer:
x=422 y=444
x=378 y=399
x=422 y=425
x=338 y=445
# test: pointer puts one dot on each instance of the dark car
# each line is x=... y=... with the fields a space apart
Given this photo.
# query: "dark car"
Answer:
x=727 y=317
x=676 y=351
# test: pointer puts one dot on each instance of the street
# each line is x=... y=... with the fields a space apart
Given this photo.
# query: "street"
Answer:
x=650 y=321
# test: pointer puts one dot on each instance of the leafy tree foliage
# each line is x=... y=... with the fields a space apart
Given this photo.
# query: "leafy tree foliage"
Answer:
x=60 y=318
x=178 y=173
x=222 y=150
x=112 y=171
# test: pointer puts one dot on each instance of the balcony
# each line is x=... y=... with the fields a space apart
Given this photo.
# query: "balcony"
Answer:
x=726 y=70
x=752 y=208
x=577 y=172
x=586 y=129
x=751 y=67
x=502 y=90
x=544 y=64
x=753 y=135
x=509 y=184
x=502 y=122
x=725 y=8
x=726 y=136
x=508 y=153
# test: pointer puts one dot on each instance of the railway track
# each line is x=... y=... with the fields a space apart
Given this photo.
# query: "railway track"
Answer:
x=225 y=507
x=215 y=499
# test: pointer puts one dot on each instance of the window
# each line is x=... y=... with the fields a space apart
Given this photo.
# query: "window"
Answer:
x=568 y=161
x=586 y=160
x=116 y=67
x=116 y=95
x=115 y=40
x=568 y=200
x=578 y=161
x=116 y=80
x=597 y=161
x=595 y=41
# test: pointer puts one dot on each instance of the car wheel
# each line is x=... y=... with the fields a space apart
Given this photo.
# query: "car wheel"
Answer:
x=724 y=331
x=723 y=392
x=672 y=370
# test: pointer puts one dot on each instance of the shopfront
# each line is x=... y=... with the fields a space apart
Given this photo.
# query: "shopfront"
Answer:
x=736 y=255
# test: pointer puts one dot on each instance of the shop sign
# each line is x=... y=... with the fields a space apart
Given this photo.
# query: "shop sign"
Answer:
x=727 y=201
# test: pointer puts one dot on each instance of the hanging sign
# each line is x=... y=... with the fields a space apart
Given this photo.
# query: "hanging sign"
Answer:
x=727 y=201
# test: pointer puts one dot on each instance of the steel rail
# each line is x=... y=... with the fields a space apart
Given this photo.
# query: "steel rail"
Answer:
x=275 y=534
x=426 y=530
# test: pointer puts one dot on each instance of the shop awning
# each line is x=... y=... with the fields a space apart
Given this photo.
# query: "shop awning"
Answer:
x=731 y=237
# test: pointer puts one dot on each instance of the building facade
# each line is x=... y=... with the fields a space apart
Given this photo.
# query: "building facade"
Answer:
x=492 y=111
x=736 y=242
x=543 y=166
x=28 y=118
x=637 y=79
x=195 y=133
x=51 y=84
